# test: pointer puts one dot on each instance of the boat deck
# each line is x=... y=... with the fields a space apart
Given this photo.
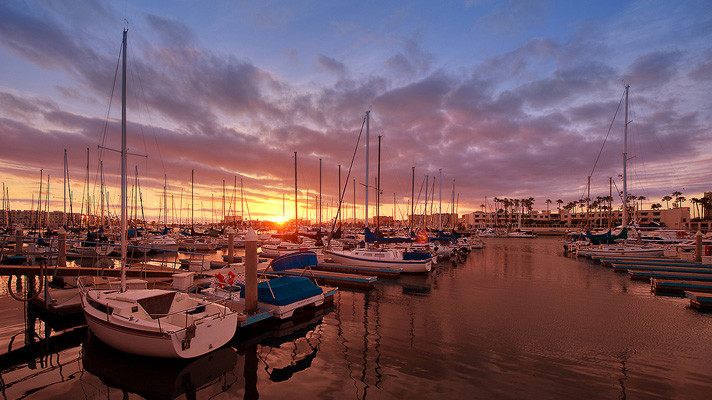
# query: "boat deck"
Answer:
x=380 y=272
x=342 y=280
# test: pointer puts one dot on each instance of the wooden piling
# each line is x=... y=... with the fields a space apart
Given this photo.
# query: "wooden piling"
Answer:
x=251 y=272
x=62 y=247
x=230 y=245
x=18 y=242
x=698 y=246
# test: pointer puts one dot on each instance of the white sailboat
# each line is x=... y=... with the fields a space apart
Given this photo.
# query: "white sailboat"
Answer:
x=622 y=249
x=152 y=322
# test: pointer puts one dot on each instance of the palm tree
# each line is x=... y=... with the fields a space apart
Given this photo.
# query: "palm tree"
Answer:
x=656 y=206
x=696 y=202
x=667 y=199
x=641 y=198
x=675 y=195
x=559 y=202
x=679 y=200
x=548 y=201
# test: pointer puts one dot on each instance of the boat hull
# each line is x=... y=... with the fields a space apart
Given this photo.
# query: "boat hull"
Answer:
x=406 y=266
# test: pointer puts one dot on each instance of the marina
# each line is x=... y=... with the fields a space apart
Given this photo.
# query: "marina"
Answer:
x=410 y=336
x=268 y=201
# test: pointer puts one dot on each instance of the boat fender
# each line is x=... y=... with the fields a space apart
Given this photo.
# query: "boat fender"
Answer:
x=189 y=334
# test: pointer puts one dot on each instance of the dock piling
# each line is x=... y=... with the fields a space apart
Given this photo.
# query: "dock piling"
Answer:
x=230 y=245
x=698 y=246
x=18 y=242
x=62 y=247
x=251 y=272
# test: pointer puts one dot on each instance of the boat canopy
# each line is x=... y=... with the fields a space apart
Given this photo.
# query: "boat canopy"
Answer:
x=285 y=290
x=299 y=259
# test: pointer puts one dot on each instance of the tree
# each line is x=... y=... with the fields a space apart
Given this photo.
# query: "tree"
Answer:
x=667 y=199
x=656 y=206
x=679 y=200
x=548 y=201
x=641 y=198
x=696 y=202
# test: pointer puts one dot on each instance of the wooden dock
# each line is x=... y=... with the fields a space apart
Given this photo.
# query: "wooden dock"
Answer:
x=132 y=270
x=647 y=275
x=386 y=273
x=342 y=280
x=665 y=286
x=609 y=260
x=700 y=301
x=661 y=268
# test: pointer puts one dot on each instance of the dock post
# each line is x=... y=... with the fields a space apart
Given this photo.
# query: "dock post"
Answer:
x=18 y=242
x=698 y=246
x=62 y=247
x=230 y=245
x=251 y=272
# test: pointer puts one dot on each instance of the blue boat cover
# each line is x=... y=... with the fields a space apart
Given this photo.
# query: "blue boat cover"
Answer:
x=286 y=289
x=371 y=238
x=415 y=255
x=299 y=259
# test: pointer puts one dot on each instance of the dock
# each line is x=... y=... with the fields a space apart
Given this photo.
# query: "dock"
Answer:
x=665 y=286
x=661 y=268
x=700 y=301
x=342 y=280
x=132 y=270
x=647 y=275
x=380 y=272
x=609 y=260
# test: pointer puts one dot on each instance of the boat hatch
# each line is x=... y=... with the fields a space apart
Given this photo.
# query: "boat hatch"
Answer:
x=159 y=305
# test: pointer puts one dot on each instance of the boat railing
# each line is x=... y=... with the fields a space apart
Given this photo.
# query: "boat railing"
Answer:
x=189 y=314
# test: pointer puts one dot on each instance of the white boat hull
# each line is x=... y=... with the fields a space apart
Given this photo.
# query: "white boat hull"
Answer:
x=407 y=266
x=158 y=337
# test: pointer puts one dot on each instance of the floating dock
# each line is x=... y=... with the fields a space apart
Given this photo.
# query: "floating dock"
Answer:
x=342 y=280
x=700 y=301
x=664 y=286
x=386 y=273
x=609 y=260
x=132 y=270
x=646 y=275
x=661 y=268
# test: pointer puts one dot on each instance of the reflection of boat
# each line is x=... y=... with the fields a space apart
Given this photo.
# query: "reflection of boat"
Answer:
x=155 y=378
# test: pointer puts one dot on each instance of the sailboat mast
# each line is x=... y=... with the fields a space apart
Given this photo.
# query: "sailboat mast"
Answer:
x=368 y=120
x=412 y=200
x=101 y=178
x=425 y=210
x=625 y=160
x=165 y=200
x=440 y=210
x=378 y=187
x=64 y=198
x=296 y=221
x=319 y=206
x=123 y=167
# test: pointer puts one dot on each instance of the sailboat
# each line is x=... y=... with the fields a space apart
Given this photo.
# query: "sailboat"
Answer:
x=622 y=249
x=407 y=261
x=151 y=322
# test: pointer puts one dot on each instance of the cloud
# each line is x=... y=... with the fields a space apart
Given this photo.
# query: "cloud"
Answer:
x=655 y=68
x=330 y=65
x=171 y=31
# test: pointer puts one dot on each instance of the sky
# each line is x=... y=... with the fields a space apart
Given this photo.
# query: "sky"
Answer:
x=508 y=99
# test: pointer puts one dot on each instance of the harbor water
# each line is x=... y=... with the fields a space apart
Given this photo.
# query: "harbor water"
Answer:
x=517 y=319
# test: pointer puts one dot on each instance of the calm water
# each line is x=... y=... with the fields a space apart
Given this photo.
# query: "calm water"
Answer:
x=516 y=320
